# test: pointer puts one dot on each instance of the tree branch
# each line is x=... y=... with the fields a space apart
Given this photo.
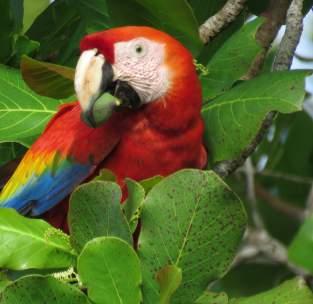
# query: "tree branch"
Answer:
x=288 y=45
x=283 y=61
x=210 y=28
x=259 y=242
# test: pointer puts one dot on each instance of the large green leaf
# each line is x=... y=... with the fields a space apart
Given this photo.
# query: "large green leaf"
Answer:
x=23 y=114
x=48 y=79
x=291 y=292
x=300 y=251
x=175 y=17
x=232 y=61
x=212 y=298
x=95 y=211
x=11 y=22
x=213 y=47
x=39 y=289
x=233 y=119
x=110 y=269
x=192 y=220
x=29 y=243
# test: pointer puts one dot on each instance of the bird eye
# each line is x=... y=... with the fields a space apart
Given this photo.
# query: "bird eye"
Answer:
x=139 y=49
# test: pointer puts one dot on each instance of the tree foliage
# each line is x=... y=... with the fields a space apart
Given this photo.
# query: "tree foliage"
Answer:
x=192 y=222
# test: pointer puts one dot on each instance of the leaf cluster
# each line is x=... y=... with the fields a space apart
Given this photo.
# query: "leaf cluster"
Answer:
x=191 y=222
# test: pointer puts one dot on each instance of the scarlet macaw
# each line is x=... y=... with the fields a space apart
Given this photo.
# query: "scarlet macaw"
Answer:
x=156 y=130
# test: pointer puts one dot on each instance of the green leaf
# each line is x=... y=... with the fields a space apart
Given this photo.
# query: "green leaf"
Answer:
x=212 y=298
x=29 y=243
x=23 y=46
x=205 y=9
x=31 y=10
x=307 y=5
x=38 y=289
x=194 y=221
x=94 y=14
x=291 y=292
x=48 y=79
x=10 y=151
x=301 y=249
x=213 y=47
x=23 y=114
x=110 y=269
x=149 y=183
x=159 y=14
x=63 y=24
x=132 y=206
x=4 y=282
x=232 y=61
x=54 y=29
x=95 y=211
x=10 y=24
x=235 y=117
x=169 y=279
x=105 y=175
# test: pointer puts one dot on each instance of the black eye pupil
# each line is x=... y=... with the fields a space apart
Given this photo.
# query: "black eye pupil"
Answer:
x=139 y=49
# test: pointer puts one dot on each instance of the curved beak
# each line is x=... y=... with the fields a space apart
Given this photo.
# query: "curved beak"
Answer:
x=99 y=94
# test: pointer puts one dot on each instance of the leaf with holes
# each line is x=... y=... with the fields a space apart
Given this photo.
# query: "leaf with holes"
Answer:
x=95 y=211
x=23 y=114
x=194 y=221
x=32 y=244
x=110 y=269
x=38 y=289
x=233 y=119
x=48 y=79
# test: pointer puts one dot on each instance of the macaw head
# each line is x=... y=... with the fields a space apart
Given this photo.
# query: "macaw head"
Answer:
x=138 y=65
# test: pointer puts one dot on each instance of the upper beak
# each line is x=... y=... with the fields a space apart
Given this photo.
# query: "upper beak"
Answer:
x=93 y=77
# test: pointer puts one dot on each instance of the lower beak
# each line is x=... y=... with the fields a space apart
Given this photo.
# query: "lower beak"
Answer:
x=98 y=95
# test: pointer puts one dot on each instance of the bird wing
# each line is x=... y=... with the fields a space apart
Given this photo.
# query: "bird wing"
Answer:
x=64 y=155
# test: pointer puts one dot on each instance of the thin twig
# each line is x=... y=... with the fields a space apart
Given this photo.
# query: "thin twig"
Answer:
x=259 y=242
x=280 y=205
x=251 y=196
x=211 y=27
x=286 y=176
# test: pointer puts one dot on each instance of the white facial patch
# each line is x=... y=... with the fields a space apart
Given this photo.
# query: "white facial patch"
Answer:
x=140 y=62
